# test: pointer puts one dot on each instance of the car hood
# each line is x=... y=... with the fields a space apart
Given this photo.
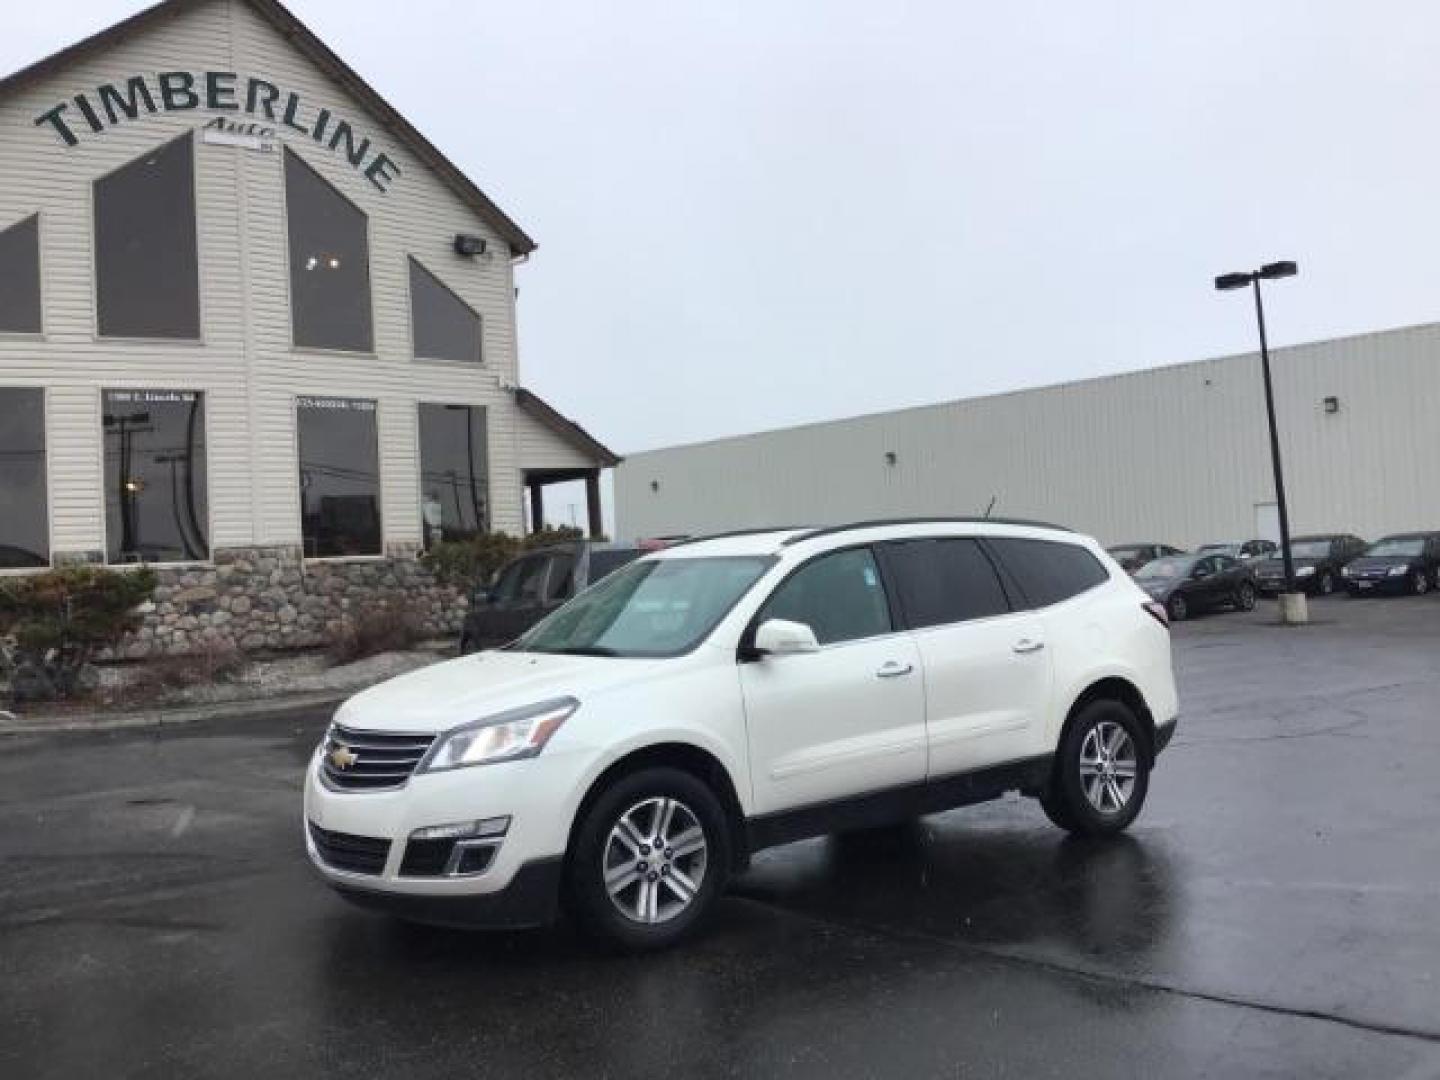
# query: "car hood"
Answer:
x=441 y=696
x=1382 y=562
x=1277 y=566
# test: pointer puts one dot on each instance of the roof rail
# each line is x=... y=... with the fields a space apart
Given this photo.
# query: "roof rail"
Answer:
x=733 y=533
x=881 y=522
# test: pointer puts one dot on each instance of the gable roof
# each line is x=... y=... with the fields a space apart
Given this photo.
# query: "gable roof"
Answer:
x=572 y=433
x=304 y=39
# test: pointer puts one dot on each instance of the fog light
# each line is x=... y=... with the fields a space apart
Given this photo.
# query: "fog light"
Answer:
x=463 y=830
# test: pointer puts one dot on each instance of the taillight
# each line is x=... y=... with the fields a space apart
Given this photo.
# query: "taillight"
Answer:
x=1157 y=612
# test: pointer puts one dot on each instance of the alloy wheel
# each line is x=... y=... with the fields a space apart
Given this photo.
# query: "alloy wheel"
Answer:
x=1327 y=583
x=1246 y=601
x=655 y=860
x=1419 y=583
x=1108 y=765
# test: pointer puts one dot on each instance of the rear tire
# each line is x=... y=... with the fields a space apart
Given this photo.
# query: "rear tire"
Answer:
x=1101 y=772
x=671 y=824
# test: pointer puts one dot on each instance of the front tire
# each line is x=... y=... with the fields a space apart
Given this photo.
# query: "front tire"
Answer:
x=1245 y=597
x=1101 y=773
x=1326 y=585
x=1419 y=583
x=1177 y=608
x=649 y=859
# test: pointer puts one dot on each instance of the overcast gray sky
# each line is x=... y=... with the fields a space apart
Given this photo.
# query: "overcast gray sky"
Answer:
x=763 y=212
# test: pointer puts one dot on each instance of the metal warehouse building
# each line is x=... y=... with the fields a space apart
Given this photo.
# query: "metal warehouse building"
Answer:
x=1177 y=454
x=254 y=329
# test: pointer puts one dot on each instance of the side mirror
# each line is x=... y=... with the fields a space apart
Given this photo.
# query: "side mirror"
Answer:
x=482 y=595
x=777 y=637
x=1198 y=573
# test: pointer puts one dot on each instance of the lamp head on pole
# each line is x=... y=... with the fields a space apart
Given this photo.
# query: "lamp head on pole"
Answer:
x=1286 y=268
x=1233 y=281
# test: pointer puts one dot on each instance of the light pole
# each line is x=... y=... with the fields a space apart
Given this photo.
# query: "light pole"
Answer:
x=1291 y=610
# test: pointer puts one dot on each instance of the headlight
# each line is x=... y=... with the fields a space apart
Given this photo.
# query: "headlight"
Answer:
x=1398 y=571
x=508 y=736
x=1304 y=571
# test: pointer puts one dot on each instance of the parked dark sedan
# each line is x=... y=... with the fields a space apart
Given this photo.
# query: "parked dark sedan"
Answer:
x=1132 y=557
x=1186 y=584
x=1243 y=550
x=1403 y=563
x=1318 y=559
x=529 y=587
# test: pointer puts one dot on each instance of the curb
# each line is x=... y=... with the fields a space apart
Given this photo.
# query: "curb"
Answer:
x=172 y=717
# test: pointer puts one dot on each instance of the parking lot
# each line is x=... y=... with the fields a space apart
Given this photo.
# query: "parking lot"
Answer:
x=1273 y=912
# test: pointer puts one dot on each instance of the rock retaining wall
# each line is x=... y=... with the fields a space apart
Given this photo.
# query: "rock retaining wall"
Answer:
x=271 y=598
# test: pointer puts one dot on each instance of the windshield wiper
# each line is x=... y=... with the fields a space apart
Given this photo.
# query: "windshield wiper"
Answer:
x=583 y=650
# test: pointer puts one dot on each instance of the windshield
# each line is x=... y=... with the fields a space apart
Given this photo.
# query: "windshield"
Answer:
x=1309 y=549
x=1172 y=566
x=1397 y=546
x=659 y=608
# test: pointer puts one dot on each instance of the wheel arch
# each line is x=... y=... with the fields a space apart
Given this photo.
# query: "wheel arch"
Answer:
x=1114 y=688
x=674 y=754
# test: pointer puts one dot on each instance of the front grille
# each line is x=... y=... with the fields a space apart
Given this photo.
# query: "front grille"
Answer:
x=346 y=851
x=380 y=760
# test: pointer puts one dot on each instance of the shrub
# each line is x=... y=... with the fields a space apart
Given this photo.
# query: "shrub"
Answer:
x=60 y=619
x=388 y=626
x=466 y=563
x=213 y=662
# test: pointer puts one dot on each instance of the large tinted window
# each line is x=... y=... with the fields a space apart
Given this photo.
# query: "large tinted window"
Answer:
x=444 y=326
x=24 y=524
x=838 y=596
x=155 y=490
x=147 y=272
x=20 y=277
x=339 y=477
x=1046 y=571
x=454 y=493
x=945 y=581
x=329 y=263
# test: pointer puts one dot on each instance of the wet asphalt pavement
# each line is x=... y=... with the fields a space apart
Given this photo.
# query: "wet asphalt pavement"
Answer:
x=1274 y=912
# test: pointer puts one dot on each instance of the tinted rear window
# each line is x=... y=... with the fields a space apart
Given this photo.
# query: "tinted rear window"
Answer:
x=945 y=581
x=1046 y=571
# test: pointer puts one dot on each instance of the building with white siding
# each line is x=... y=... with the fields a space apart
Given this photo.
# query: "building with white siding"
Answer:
x=254 y=330
x=1175 y=455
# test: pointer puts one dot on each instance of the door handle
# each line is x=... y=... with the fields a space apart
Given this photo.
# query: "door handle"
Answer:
x=1028 y=645
x=893 y=670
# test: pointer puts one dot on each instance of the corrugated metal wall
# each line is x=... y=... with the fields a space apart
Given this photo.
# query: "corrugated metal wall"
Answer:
x=246 y=365
x=1177 y=454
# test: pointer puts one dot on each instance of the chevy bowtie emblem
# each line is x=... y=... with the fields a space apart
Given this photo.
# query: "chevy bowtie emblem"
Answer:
x=342 y=757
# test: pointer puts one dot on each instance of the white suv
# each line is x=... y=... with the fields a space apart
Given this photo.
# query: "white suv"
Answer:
x=628 y=753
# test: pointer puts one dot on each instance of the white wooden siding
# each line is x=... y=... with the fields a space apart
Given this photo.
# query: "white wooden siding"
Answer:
x=245 y=363
x=1177 y=454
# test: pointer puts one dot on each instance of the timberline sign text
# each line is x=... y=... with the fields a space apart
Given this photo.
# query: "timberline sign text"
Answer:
x=217 y=91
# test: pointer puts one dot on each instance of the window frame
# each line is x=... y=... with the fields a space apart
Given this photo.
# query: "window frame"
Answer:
x=746 y=649
x=415 y=356
x=95 y=334
x=420 y=463
x=45 y=414
x=41 y=334
x=104 y=508
x=300 y=491
x=320 y=350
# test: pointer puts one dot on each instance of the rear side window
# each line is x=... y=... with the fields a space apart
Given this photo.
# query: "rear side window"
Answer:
x=1046 y=571
x=839 y=596
x=945 y=581
x=561 y=582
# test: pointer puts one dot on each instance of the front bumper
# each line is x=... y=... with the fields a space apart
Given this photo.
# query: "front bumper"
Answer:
x=532 y=898
x=1368 y=586
x=516 y=888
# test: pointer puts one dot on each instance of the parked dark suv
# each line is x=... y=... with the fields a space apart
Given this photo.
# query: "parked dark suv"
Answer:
x=1405 y=562
x=1319 y=559
x=529 y=587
